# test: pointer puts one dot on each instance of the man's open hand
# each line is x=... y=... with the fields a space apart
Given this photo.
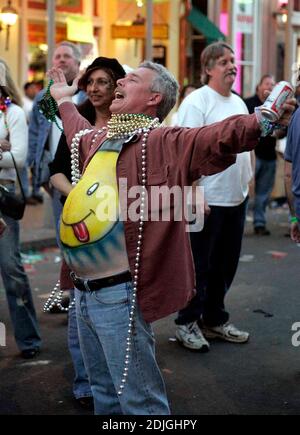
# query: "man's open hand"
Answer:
x=60 y=89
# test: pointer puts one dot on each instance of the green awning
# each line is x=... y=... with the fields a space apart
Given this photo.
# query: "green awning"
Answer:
x=203 y=25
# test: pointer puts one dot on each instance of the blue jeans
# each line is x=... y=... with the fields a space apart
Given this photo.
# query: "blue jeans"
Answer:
x=264 y=180
x=25 y=182
x=81 y=385
x=103 y=318
x=17 y=289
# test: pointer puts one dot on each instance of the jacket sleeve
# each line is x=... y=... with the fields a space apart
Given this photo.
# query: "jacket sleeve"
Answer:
x=216 y=146
x=33 y=134
x=18 y=133
x=211 y=149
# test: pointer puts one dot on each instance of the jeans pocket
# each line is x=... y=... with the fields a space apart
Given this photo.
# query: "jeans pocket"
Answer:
x=117 y=294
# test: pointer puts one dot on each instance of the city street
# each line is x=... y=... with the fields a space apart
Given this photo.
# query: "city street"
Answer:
x=261 y=377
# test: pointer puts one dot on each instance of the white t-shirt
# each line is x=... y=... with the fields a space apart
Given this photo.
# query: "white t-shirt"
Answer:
x=203 y=107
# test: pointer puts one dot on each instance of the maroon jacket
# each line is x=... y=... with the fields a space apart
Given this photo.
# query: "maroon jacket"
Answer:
x=175 y=156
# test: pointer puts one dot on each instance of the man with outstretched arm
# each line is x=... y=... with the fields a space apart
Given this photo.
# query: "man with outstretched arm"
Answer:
x=131 y=272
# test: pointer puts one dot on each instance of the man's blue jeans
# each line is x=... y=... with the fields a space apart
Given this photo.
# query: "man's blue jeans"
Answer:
x=264 y=180
x=81 y=386
x=103 y=318
x=17 y=289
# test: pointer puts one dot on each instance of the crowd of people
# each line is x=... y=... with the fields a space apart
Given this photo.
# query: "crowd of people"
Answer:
x=112 y=130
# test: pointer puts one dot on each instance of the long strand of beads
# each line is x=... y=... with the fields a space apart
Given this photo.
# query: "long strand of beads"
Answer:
x=137 y=265
x=75 y=169
x=55 y=300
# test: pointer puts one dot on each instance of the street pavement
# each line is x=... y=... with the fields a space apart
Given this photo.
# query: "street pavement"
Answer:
x=260 y=377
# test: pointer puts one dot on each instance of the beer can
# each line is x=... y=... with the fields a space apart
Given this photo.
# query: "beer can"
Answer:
x=272 y=109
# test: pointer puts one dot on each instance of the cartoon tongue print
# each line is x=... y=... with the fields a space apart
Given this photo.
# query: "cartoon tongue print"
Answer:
x=81 y=232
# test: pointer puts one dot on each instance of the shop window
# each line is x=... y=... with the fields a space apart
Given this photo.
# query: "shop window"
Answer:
x=160 y=54
x=244 y=14
x=37 y=43
x=75 y=6
x=297 y=5
x=194 y=65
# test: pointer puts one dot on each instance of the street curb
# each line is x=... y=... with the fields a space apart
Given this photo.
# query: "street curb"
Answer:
x=32 y=245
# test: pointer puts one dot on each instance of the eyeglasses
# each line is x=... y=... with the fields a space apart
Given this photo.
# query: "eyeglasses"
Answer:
x=102 y=83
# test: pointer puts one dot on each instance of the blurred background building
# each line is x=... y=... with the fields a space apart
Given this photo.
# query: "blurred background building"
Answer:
x=265 y=34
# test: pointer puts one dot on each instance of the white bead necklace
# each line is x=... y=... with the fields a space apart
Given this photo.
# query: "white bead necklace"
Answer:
x=56 y=296
x=121 y=133
x=75 y=170
x=55 y=300
x=137 y=265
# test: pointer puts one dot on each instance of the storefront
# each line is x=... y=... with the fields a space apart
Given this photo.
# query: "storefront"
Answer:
x=247 y=43
x=255 y=30
x=181 y=30
x=75 y=20
x=292 y=40
x=113 y=28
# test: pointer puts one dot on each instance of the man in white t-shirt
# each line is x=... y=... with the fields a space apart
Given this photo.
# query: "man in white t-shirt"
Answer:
x=216 y=248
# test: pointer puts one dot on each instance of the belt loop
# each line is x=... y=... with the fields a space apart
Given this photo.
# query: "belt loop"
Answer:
x=86 y=286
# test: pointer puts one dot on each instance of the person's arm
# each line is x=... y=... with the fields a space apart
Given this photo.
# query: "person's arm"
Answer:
x=18 y=134
x=215 y=146
x=61 y=183
x=33 y=132
x=290 y=178
x=288 y=186
x=60 y=168
x=294 y=226
x=2 y=226
x=280 y=134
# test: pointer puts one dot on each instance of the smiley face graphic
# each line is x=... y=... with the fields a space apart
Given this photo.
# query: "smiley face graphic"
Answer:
x=91 y=209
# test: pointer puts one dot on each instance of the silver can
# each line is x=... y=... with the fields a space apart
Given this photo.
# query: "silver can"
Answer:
x=272 y=109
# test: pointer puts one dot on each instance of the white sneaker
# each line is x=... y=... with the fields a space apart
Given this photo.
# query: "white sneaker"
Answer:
x=190 y=336
x=227 y=332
